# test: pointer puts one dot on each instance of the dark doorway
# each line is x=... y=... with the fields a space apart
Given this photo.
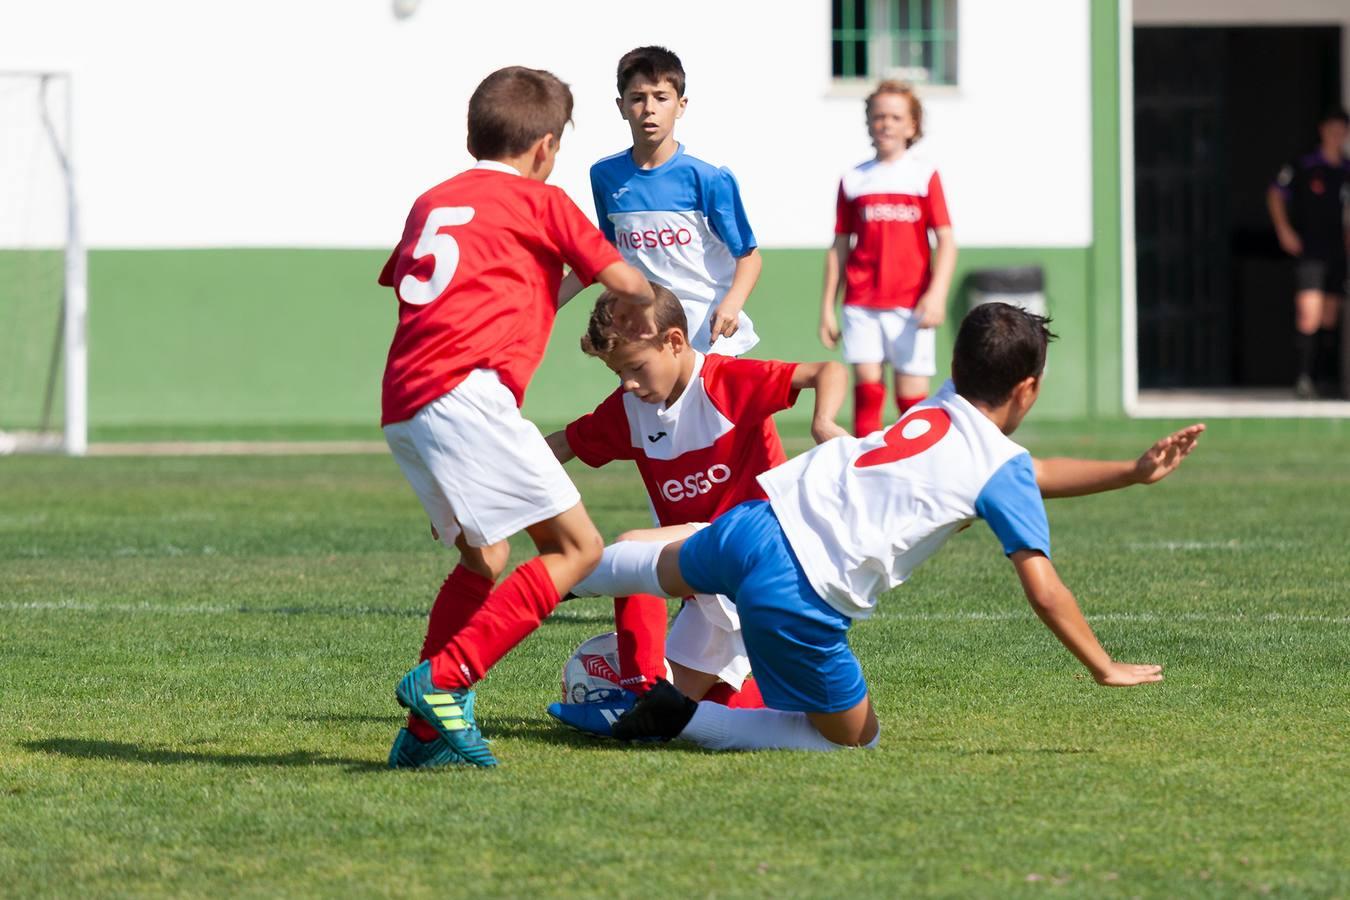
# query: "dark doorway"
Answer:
x=1217 y=111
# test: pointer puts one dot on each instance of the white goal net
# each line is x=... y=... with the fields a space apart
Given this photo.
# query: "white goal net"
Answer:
x=42 y=270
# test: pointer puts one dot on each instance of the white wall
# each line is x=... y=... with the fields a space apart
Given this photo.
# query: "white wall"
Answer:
x=316 y=122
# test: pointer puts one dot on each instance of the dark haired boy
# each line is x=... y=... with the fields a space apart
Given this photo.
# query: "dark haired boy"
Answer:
x=700 y=429
x=678 y=219
x=851 y=519
x=1309 y=203
x=681 y=222
x=476 y=275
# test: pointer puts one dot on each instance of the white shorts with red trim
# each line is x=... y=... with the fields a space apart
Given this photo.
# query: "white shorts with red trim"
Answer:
x=889 y=336
x=478 y=466
x=706 y=637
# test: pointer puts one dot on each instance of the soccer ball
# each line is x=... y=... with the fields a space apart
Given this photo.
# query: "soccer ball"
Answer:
x=594 y=666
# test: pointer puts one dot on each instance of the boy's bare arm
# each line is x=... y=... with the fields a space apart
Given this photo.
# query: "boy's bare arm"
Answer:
x=830 y=382
x=1055 y=605
x=1279 y=216
x=569 y=288
x=557 y=442
x=725 y=319
x=931 y=308
x=835 y=259
x=633 y=312
x=1067 y=477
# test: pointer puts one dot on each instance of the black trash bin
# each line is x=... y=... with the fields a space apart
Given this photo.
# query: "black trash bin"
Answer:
x=1022 y=286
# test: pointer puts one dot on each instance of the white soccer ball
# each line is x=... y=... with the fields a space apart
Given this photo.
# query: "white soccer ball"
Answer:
x=594 y=666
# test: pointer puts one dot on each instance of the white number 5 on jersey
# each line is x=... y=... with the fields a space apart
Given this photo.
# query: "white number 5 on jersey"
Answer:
x=441 y=246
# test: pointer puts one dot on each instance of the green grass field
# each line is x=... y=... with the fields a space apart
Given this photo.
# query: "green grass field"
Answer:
x=199 y=658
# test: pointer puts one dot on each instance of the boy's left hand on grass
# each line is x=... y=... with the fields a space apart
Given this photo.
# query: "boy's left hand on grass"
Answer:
x=1162 y=458
x=1119 y=674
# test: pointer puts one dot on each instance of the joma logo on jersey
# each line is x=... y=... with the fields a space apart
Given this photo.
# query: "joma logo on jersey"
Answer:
x=891 y=212
x=654 y=237
x=677 y=489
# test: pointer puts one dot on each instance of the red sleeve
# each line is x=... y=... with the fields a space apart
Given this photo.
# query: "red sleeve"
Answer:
x=387 y=273
x=602 y=436
x=937 y=203
x=843 y=212
x=582 y=246
x=749 y=390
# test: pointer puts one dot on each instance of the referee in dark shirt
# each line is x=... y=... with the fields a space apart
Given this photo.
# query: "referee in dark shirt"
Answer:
x=1309 y=204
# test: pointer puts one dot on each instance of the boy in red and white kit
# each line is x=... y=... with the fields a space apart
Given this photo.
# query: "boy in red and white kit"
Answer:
x=476 y=275
x=895 y=287
x=700 y=430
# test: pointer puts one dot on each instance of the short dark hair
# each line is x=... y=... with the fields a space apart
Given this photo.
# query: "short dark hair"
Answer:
x=653 y=63
x=514 y=107
x=1335 y=114
x=602 y=338
x=997 y=347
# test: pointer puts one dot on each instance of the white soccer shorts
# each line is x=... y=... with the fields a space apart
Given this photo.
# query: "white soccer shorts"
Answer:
x=478 y=465
x=706 y=637
x=891 y=336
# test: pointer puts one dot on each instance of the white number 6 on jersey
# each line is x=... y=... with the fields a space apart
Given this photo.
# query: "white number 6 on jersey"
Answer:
x=443 y=247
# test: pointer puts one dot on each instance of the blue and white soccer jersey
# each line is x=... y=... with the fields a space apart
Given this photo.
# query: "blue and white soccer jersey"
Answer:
x=858 y=515
x=684 y=226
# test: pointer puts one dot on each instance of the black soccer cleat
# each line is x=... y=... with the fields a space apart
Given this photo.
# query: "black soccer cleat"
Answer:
x=659 y=715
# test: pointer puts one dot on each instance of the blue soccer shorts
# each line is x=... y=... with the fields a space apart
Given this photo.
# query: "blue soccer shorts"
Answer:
x=797 y=643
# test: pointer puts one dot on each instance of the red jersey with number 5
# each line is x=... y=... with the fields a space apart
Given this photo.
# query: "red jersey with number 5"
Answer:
x=476 y=275
x=889 y=208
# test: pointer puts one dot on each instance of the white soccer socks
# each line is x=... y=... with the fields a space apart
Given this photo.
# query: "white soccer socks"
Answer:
x=628 y=567
x=719 y=728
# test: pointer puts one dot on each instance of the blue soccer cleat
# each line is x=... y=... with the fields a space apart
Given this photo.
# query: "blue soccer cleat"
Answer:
x=449 y=712
x=597 y=713
x=408 y=752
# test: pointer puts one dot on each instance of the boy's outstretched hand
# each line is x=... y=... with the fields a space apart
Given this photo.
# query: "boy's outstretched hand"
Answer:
x=1120 y=674
x=1162 y=458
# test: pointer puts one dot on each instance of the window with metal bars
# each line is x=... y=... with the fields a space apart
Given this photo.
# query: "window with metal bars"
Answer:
x=913 y=40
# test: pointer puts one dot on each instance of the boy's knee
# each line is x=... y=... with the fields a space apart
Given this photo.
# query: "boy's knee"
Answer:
x=634 y=535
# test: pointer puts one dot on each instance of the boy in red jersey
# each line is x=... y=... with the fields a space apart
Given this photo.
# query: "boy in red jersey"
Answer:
x=476 y=275
x=700 y=430
x=895 y=288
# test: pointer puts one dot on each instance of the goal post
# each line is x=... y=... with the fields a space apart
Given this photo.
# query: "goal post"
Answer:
x=43 y=271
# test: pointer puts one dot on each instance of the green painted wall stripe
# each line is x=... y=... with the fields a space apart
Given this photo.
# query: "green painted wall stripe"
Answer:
x=1106 y=373
x=186 y=339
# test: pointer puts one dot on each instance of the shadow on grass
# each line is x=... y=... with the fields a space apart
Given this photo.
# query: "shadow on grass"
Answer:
x=86 y=749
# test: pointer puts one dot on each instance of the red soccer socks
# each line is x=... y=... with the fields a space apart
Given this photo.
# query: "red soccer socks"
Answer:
x=459 y=598
x=510 y=612
x=640 y=621
x=868 y=399
x=905 y=403
x=747 y=697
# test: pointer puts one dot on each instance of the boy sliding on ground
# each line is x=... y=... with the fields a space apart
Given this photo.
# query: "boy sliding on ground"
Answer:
x=895 y=289
x=852 y=519
x=476 y=276
x=700 y=430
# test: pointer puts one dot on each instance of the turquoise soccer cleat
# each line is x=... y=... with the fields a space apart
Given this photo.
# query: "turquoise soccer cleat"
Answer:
x=449 y=712
x=408 y=752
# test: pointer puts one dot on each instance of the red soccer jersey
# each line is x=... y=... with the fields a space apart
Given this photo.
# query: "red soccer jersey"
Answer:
x=476 y=275
x=698 y=457
x=889 y=207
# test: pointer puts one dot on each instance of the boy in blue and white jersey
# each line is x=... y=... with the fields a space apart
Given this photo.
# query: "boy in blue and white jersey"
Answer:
x=852 y=519
x=676 y=218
